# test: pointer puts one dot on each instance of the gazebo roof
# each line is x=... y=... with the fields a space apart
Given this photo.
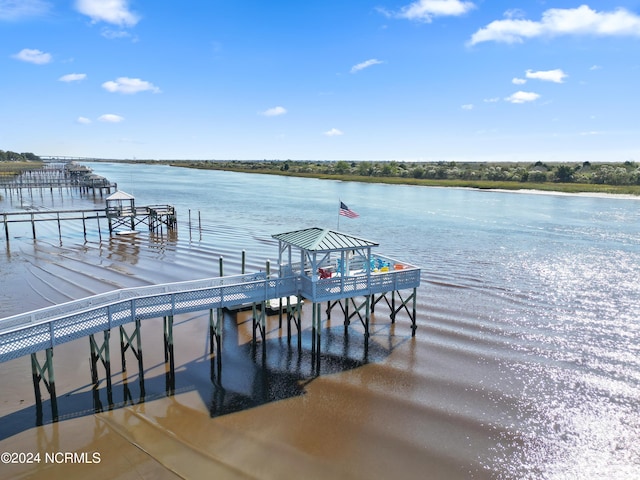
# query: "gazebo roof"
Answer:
x=120 y=195
x=323 y=240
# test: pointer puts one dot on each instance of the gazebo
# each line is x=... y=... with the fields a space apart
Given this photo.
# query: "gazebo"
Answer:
x=121 y=209
x=325 y=254
x=338 y=268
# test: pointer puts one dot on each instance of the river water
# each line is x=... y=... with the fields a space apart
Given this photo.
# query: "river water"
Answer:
x=525 y=364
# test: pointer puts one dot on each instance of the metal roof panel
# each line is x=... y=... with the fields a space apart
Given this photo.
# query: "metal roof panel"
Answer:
x=323 y=240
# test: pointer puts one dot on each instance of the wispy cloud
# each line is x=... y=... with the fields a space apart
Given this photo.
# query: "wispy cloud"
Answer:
x=274 y=112
x=115 y=12
x=13 y=10
x=129 y=86
x=116 y=34
x=83 y=120
x=110 y=118
x=556 y=76
x=518 y=81
x=33 y=56
x=73 y=77
x=561 y=21
x=366 y=64
x=334 y=132
x=467 y=106
x=426 y=10
x=522 y=97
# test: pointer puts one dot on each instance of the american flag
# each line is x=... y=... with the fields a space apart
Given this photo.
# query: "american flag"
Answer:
x=346 y=212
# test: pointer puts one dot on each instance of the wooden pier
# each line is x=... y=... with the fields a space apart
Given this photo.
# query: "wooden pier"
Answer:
x=156 y=217
x=57 y=176
x=333 y=267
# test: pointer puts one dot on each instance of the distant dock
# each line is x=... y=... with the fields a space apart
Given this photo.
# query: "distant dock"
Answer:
x=57 y=176
x=120 y=209
x=156 y=217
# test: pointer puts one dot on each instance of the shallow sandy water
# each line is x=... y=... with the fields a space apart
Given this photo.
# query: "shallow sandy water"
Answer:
x=524 y=365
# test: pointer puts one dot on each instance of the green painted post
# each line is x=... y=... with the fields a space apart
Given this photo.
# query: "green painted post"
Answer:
x=393 y=306
x=413 y=319
x=52 y=385
x=170 y=376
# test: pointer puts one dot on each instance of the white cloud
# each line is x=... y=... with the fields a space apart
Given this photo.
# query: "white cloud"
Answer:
x=274 y=112
x=129 y=86
x=115 y=34
x=522 y=97
x=492 y=100
x=595 y=67
x=334 y=132
x=556 y=76
x=365 y=64
x=518 y=81
x=558 y=21
x=17 y=9
x=425 y=10
x=467 y=106
x=33 y=56
x=110 y=118
x=84 y=120
x=73 y=77
x=115 y=12
x=515 y=13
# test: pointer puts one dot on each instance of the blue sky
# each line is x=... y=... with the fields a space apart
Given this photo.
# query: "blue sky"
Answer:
x=427 y=80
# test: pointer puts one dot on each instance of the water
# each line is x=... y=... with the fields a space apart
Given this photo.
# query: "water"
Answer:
x=525 y=364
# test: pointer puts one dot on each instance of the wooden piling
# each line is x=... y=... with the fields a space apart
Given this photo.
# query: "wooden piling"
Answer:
x=45 y=374
x=169 y=360
x=100 y=353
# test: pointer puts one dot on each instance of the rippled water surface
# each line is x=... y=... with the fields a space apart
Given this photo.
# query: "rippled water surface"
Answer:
x=526 y=362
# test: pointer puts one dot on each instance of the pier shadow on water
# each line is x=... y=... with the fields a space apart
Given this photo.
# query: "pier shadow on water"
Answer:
x=249 y=375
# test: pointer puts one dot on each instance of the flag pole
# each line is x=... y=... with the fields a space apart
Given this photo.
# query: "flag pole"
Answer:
x=339 y=203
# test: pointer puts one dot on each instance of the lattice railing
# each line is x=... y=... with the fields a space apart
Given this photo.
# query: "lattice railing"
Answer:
x=44 y=328
x=34 y=331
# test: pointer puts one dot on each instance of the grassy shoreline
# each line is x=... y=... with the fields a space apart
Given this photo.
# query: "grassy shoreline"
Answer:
x=15 y=168
x=475 y=184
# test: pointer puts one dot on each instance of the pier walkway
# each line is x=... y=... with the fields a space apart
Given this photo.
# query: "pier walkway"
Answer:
x=45 y=328
x=333 y=267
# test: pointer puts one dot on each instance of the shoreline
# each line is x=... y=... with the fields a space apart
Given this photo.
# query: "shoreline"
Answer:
x=581 y=189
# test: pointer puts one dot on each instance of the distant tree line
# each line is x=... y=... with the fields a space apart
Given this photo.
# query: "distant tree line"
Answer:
x=627 y=173
x=10 y=156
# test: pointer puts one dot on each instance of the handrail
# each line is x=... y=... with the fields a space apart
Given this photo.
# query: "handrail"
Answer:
x=47 y=314
x=43 y=328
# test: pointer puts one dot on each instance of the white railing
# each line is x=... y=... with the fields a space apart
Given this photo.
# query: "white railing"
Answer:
x=44 y=328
